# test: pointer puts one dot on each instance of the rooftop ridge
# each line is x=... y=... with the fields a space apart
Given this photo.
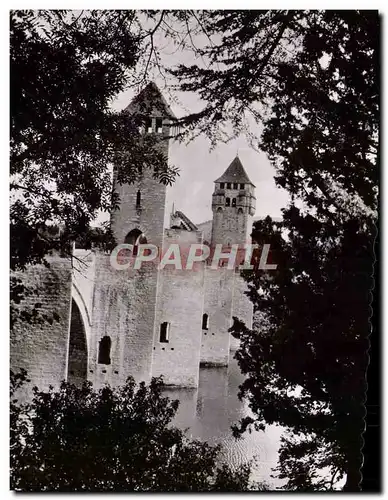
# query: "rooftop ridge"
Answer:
x=235 y=173
x=151 y=98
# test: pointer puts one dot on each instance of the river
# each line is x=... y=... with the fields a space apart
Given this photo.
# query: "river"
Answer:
x=209 y=411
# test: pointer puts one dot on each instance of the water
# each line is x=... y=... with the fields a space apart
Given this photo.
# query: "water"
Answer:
x=208 y=413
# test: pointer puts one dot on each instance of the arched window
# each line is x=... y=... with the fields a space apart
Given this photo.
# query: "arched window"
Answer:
x=78 y=355
x=205 y=322
x=240 y=211
x=164 y=332
x=138 y=199
x=219 y=210
x=104 y=351
x=135 y=238
x=227 y=202
x=233 y=202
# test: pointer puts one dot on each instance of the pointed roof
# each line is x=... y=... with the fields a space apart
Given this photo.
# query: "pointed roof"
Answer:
x=150 y=101
x=235 y=173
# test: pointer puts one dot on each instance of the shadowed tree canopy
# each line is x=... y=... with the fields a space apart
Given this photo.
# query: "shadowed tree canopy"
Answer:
x=310 y=80
x=66 y=67
x=114 y=440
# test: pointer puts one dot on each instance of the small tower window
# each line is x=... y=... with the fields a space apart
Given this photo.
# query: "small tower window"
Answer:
x=227 y=202
x=205 y=322
x=235 y=185
x=229 y=185
x=164 y=332
x=148 y=125
x=138 y=199
x=242 y=186
x=240 y=211
x=104 y=351
x=222 y=185
x=159 y=125
x=219 y=210
x=233 y=202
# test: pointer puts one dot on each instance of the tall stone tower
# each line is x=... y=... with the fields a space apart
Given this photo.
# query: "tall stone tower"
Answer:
x=140 y=215
x=125 y=301
x=233 y=206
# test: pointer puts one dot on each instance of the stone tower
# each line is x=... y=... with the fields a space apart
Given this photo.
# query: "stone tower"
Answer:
x=233 y=206
x=140 y=215
x=125 y=301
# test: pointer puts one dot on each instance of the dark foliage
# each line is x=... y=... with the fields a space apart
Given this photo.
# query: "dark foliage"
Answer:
x=109 y=440
x=310 y=79
x=66 y=67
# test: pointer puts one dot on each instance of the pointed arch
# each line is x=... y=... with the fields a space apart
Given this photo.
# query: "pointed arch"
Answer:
x=135 y=238
x=77 y=366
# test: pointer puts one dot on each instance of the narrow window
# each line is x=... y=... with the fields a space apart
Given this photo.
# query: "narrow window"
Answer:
x=159 y=125
x=227 y=202
x=205 y=322
x=138 y=199
x=233 y=202
x=104 y=351
x=242 y=186
x=222 y=185
x=148 y=125
x=235 y=185
x=164 y=332
x=229 y=185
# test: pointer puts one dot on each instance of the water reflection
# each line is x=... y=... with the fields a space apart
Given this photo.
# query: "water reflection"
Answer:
x=209 y=411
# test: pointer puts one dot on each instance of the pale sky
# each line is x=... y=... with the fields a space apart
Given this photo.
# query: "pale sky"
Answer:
x=199 y=167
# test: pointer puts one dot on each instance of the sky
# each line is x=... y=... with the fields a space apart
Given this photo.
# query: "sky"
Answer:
x=199 y=166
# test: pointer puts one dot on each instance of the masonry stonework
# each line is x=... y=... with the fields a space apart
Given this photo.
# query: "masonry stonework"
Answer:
x=42 y=348
x=141 y=322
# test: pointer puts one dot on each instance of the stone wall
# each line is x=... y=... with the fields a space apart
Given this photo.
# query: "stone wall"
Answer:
x=123 y=309
x=41 y=348
x=218 y=305
x=180 y=303
x=242 y=306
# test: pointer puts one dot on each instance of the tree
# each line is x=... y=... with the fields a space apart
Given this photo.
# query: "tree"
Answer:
x=80 y=439
x=66 y=67
x=310 y=80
